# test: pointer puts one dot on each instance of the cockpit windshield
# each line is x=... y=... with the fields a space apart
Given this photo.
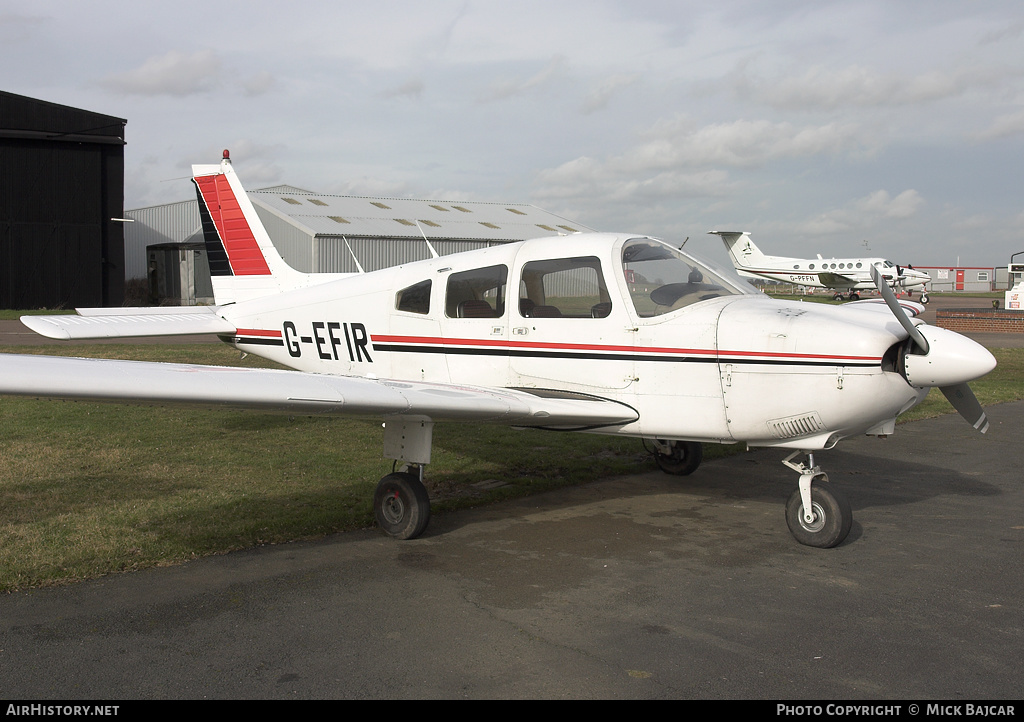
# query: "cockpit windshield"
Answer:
x=662 y=279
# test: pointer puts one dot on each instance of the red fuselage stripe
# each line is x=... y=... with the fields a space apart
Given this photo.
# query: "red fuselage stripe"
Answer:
x=501 y=343
x=257 y=332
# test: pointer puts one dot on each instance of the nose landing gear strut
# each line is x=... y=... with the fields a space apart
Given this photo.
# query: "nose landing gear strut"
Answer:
x=818 y=516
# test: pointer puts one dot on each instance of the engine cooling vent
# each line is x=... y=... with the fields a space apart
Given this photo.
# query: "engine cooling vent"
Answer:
x=794 y=426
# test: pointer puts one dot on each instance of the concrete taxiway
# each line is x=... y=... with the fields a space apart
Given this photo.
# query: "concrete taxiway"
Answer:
x=641 y=587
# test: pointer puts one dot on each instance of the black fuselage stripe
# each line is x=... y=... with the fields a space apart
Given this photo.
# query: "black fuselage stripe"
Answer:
x=260 y=341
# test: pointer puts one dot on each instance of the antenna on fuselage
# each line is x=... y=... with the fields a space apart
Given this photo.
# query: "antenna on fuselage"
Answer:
x=432 y=251
x=684 y=243
x=353 y=254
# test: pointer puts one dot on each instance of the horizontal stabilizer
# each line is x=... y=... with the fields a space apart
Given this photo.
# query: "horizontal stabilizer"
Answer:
x=296 y=392
x=123 y=323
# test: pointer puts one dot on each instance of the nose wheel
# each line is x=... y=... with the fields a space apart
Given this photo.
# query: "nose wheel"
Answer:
x=817 y=516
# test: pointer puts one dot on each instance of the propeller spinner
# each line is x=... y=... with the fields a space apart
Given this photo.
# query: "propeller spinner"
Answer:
x=941 y=358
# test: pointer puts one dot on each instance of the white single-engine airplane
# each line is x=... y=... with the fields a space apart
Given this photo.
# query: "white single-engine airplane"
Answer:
x=843 y=275
x=604 y=333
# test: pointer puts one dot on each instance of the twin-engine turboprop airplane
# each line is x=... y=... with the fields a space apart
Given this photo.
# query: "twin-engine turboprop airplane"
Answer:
x=843 y=275
x=603 y=333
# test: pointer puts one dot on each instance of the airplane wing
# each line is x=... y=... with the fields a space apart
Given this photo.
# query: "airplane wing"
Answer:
x=127 y=322
x=836 y=280
x=297 y=392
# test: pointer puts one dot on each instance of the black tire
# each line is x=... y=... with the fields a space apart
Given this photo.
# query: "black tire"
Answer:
x=924 y=298
x=837 y=297
x=401 y=505
x=854 y=296
x=832 y=518
x=684 y=459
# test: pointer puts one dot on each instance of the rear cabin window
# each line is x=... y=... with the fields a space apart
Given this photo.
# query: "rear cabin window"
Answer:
x=479 y=293
x=414 y=299
x=564 y=288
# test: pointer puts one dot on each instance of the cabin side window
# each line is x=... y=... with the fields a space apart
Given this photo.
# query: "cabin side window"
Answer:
x=479 y=293
x=564 y=288
x=662 y=279
x=414 y=299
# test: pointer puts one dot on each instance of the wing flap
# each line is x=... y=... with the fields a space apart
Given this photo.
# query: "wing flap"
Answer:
x=836 y=280
x=122 y=323
x=294 y=392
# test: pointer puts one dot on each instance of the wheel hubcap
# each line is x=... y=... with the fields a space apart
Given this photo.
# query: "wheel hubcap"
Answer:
x=393 y=509
x=819 y=518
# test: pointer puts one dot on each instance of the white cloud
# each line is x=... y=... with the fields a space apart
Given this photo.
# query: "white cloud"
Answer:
x=599 y=98
x=1003 y=126
x=863 y=213
x=879 y=203
x=260 y=83
x=586 y=178
x=739 y=143
x=556 y=67
x=16 y=27
x=680 y=171
x=787 y=106
x=1010 y=32
x=369 y=186
x=174 y=73
x=820 y=87
x=976 y=222
x=409 y=89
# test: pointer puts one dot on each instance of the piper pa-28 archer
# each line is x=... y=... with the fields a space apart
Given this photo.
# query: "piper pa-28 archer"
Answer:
x=603 y=333
x=843 y=275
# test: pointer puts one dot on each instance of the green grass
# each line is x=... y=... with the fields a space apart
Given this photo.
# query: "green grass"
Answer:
x=13 y=315
x=811 y=298
x=88 y=489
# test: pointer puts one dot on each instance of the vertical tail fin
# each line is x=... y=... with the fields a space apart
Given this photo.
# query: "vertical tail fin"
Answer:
x=243 y=261
x=742 y=250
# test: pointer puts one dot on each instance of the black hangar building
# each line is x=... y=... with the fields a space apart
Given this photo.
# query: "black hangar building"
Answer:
x=61 y=201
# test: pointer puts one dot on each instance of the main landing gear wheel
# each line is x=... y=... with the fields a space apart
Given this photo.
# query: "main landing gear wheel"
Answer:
x=402 y=505
x=831 y=522
x=682 y=457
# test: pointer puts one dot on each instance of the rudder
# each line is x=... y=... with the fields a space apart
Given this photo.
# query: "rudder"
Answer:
x=741 y=249
x=243 y=261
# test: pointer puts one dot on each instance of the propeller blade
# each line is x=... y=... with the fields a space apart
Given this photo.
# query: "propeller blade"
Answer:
x=897 y=310
x=967 y=405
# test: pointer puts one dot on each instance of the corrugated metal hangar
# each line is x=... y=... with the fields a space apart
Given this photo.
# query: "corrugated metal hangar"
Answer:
x=61 y=189
x=314 y=231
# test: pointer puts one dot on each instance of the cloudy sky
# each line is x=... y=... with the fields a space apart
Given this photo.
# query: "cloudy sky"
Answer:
x=870 y=127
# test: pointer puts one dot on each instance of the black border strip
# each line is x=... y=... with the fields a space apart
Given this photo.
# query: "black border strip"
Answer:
x=259 y=341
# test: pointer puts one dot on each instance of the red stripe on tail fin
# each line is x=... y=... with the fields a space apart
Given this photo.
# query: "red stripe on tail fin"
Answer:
x=243 y=251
